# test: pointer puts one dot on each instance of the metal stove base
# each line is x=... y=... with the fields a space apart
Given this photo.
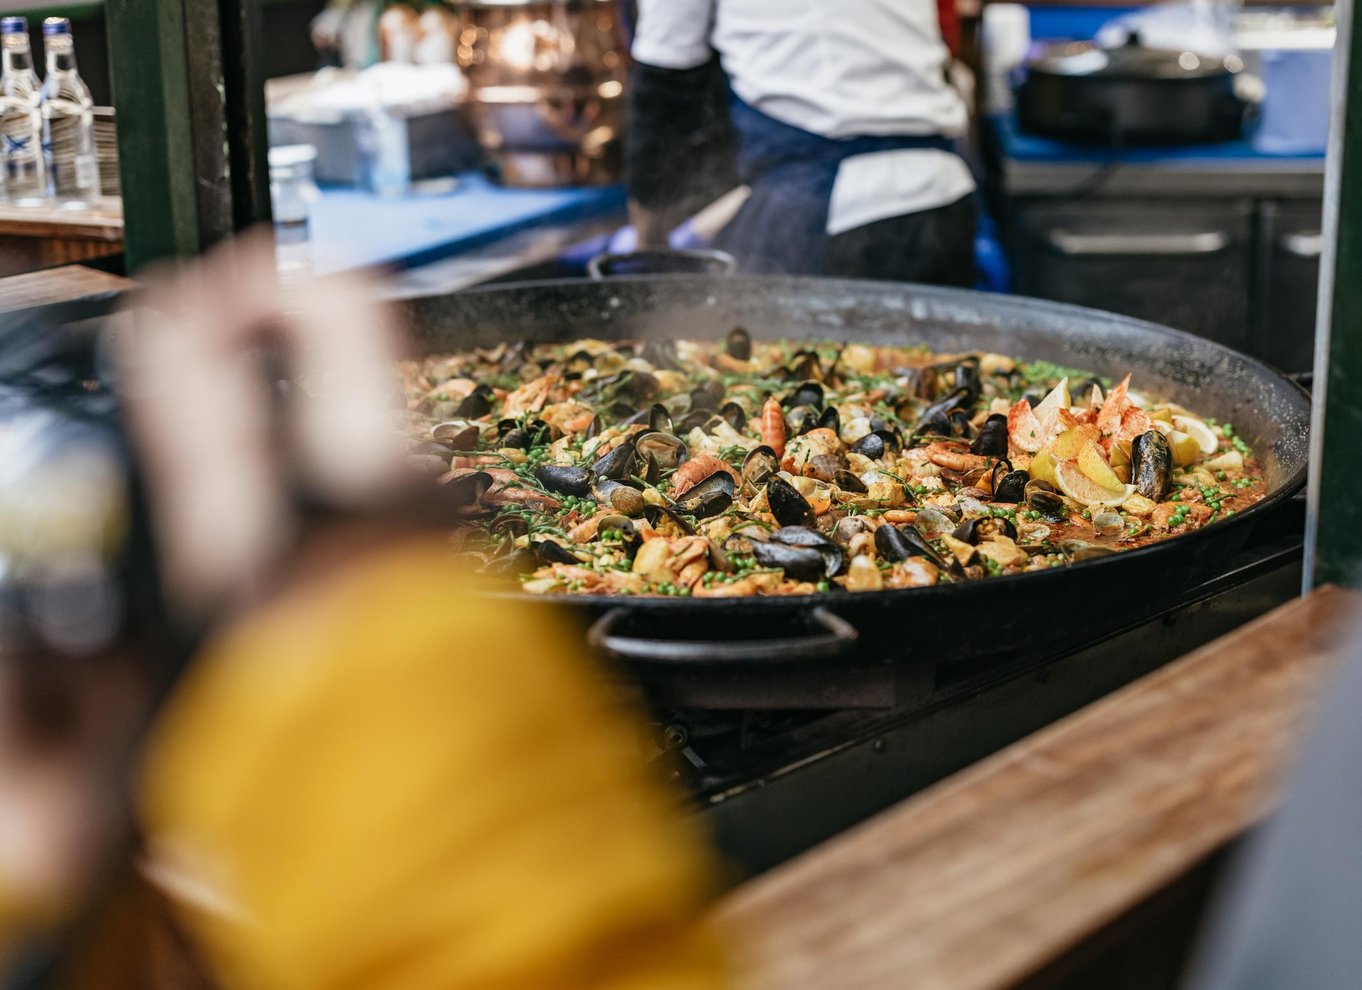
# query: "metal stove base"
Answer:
x=772 y=786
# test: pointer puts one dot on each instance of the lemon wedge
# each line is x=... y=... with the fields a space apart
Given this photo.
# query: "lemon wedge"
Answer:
x=1043 y=465
x=1057 y=399
x=1082 y=489
x=1206 y=441
x=1095 y=466
x=1184 y=447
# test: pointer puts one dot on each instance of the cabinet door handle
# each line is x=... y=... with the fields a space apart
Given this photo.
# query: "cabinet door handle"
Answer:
x=1302 y=244
x=1110 y=245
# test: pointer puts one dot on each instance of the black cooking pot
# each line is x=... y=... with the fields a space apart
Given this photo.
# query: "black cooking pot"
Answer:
x=757 y=651
x=1134 y=95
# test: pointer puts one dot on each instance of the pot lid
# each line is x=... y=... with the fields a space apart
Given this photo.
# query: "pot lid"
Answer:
x=1132 y=61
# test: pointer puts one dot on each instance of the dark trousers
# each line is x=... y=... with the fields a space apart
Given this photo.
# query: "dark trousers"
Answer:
x=934 y=246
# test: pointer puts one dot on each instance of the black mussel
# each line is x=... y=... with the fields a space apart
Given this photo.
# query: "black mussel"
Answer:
x=660 y=517
x=521 y=560
x=804 y=365
x=595 y=429
x=708 y=497
x=958 y=421
x=665 y=450
x=788 y=506
x=798 y=563
x=553 y=552
x=973 y=530
x=875 y=445
x=878 y=424
x=801 y=419
x=735 y=416
x=1043 y=498
x=719 y=560
x=967 y=377
x=641 y=385
x=519 y=438
x=565 y=479
x=738 y=343
x=509 y=525
x=806 y=394
x=1011 y=487
x=468 y=487
x=514 y=433
x=991 y=440
x=936 y=420
x=848 y=481
x=899 y=543
x=802 y=536
x=661 y=354
x=477 y=403
x=617 y=464
x=1151 y=465
x=707 y=395
x=695 y=419
x=576 y=364
x=759 y=464
x=848 y=528
x=830 y=420
x=659 y=419
x=455 y=436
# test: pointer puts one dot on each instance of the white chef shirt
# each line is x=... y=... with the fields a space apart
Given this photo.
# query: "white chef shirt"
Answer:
x=839 y=68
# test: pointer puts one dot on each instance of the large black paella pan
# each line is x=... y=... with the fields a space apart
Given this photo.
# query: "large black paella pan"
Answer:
x=681 y=638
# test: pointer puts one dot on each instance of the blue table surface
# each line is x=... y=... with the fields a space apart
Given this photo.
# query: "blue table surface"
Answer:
x=354 y=229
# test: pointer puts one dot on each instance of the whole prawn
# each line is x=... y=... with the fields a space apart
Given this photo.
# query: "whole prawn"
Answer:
x=773 y=426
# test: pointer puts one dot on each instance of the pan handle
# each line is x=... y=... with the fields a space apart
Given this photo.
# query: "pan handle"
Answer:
x=834 y=637
x=663 y=261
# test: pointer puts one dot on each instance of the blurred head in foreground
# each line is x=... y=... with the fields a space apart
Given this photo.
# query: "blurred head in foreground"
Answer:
x=367 y=773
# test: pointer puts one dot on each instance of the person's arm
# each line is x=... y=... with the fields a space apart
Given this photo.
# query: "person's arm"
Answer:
x=678 y=139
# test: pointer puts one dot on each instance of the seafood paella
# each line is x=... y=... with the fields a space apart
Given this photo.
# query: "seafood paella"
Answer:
x=741 y=467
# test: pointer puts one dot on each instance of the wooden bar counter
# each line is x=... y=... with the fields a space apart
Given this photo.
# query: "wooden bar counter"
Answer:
x=43 y=236
x=989 y=878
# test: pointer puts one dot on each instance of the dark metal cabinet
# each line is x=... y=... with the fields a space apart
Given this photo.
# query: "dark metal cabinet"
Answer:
x=1289 y=244
x=1184 y=263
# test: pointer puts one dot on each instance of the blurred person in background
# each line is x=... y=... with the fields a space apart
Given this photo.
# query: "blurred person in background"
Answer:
x=845 y=127
x=367 y=775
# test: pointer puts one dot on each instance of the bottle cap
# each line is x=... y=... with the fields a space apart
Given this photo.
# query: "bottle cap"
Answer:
x=56 y=25
x=13 y=25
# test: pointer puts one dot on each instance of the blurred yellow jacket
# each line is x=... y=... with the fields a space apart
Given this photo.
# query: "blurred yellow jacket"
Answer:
x=385 y=780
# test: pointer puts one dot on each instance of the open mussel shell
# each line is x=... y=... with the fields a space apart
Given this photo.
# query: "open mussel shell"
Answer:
x=1080 y=550
x=738 y=344
x=709 y=497
x=788 y=506
x=1043 y=498
x=967 y=377
x=933 y=523
x=759 y=464
x=802 y=536
x=875 y=445
x=1011 y=487
x=565 y=479
x=971 y=531
x=617 y=527
x=799 y=563
x=455 y=435
x=467 y=487
x=659 y=419
x=617 y=464
x=509 y=525
x=520 y=560
x=664 y=449
x=991 y=440
x=523 y=436
x=1151 y=465
x=661 y=516
x=801 y=419
x=620 y=497
x=831 y=419
x=899 y=543
x=734 y=415
x=936 y=420
x=849 y=481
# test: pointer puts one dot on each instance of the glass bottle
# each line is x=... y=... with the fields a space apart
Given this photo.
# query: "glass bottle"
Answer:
x=68 y=121
x=20 y=119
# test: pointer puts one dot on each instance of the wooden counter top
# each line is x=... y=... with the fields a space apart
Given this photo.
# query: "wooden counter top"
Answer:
x=991 y=875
